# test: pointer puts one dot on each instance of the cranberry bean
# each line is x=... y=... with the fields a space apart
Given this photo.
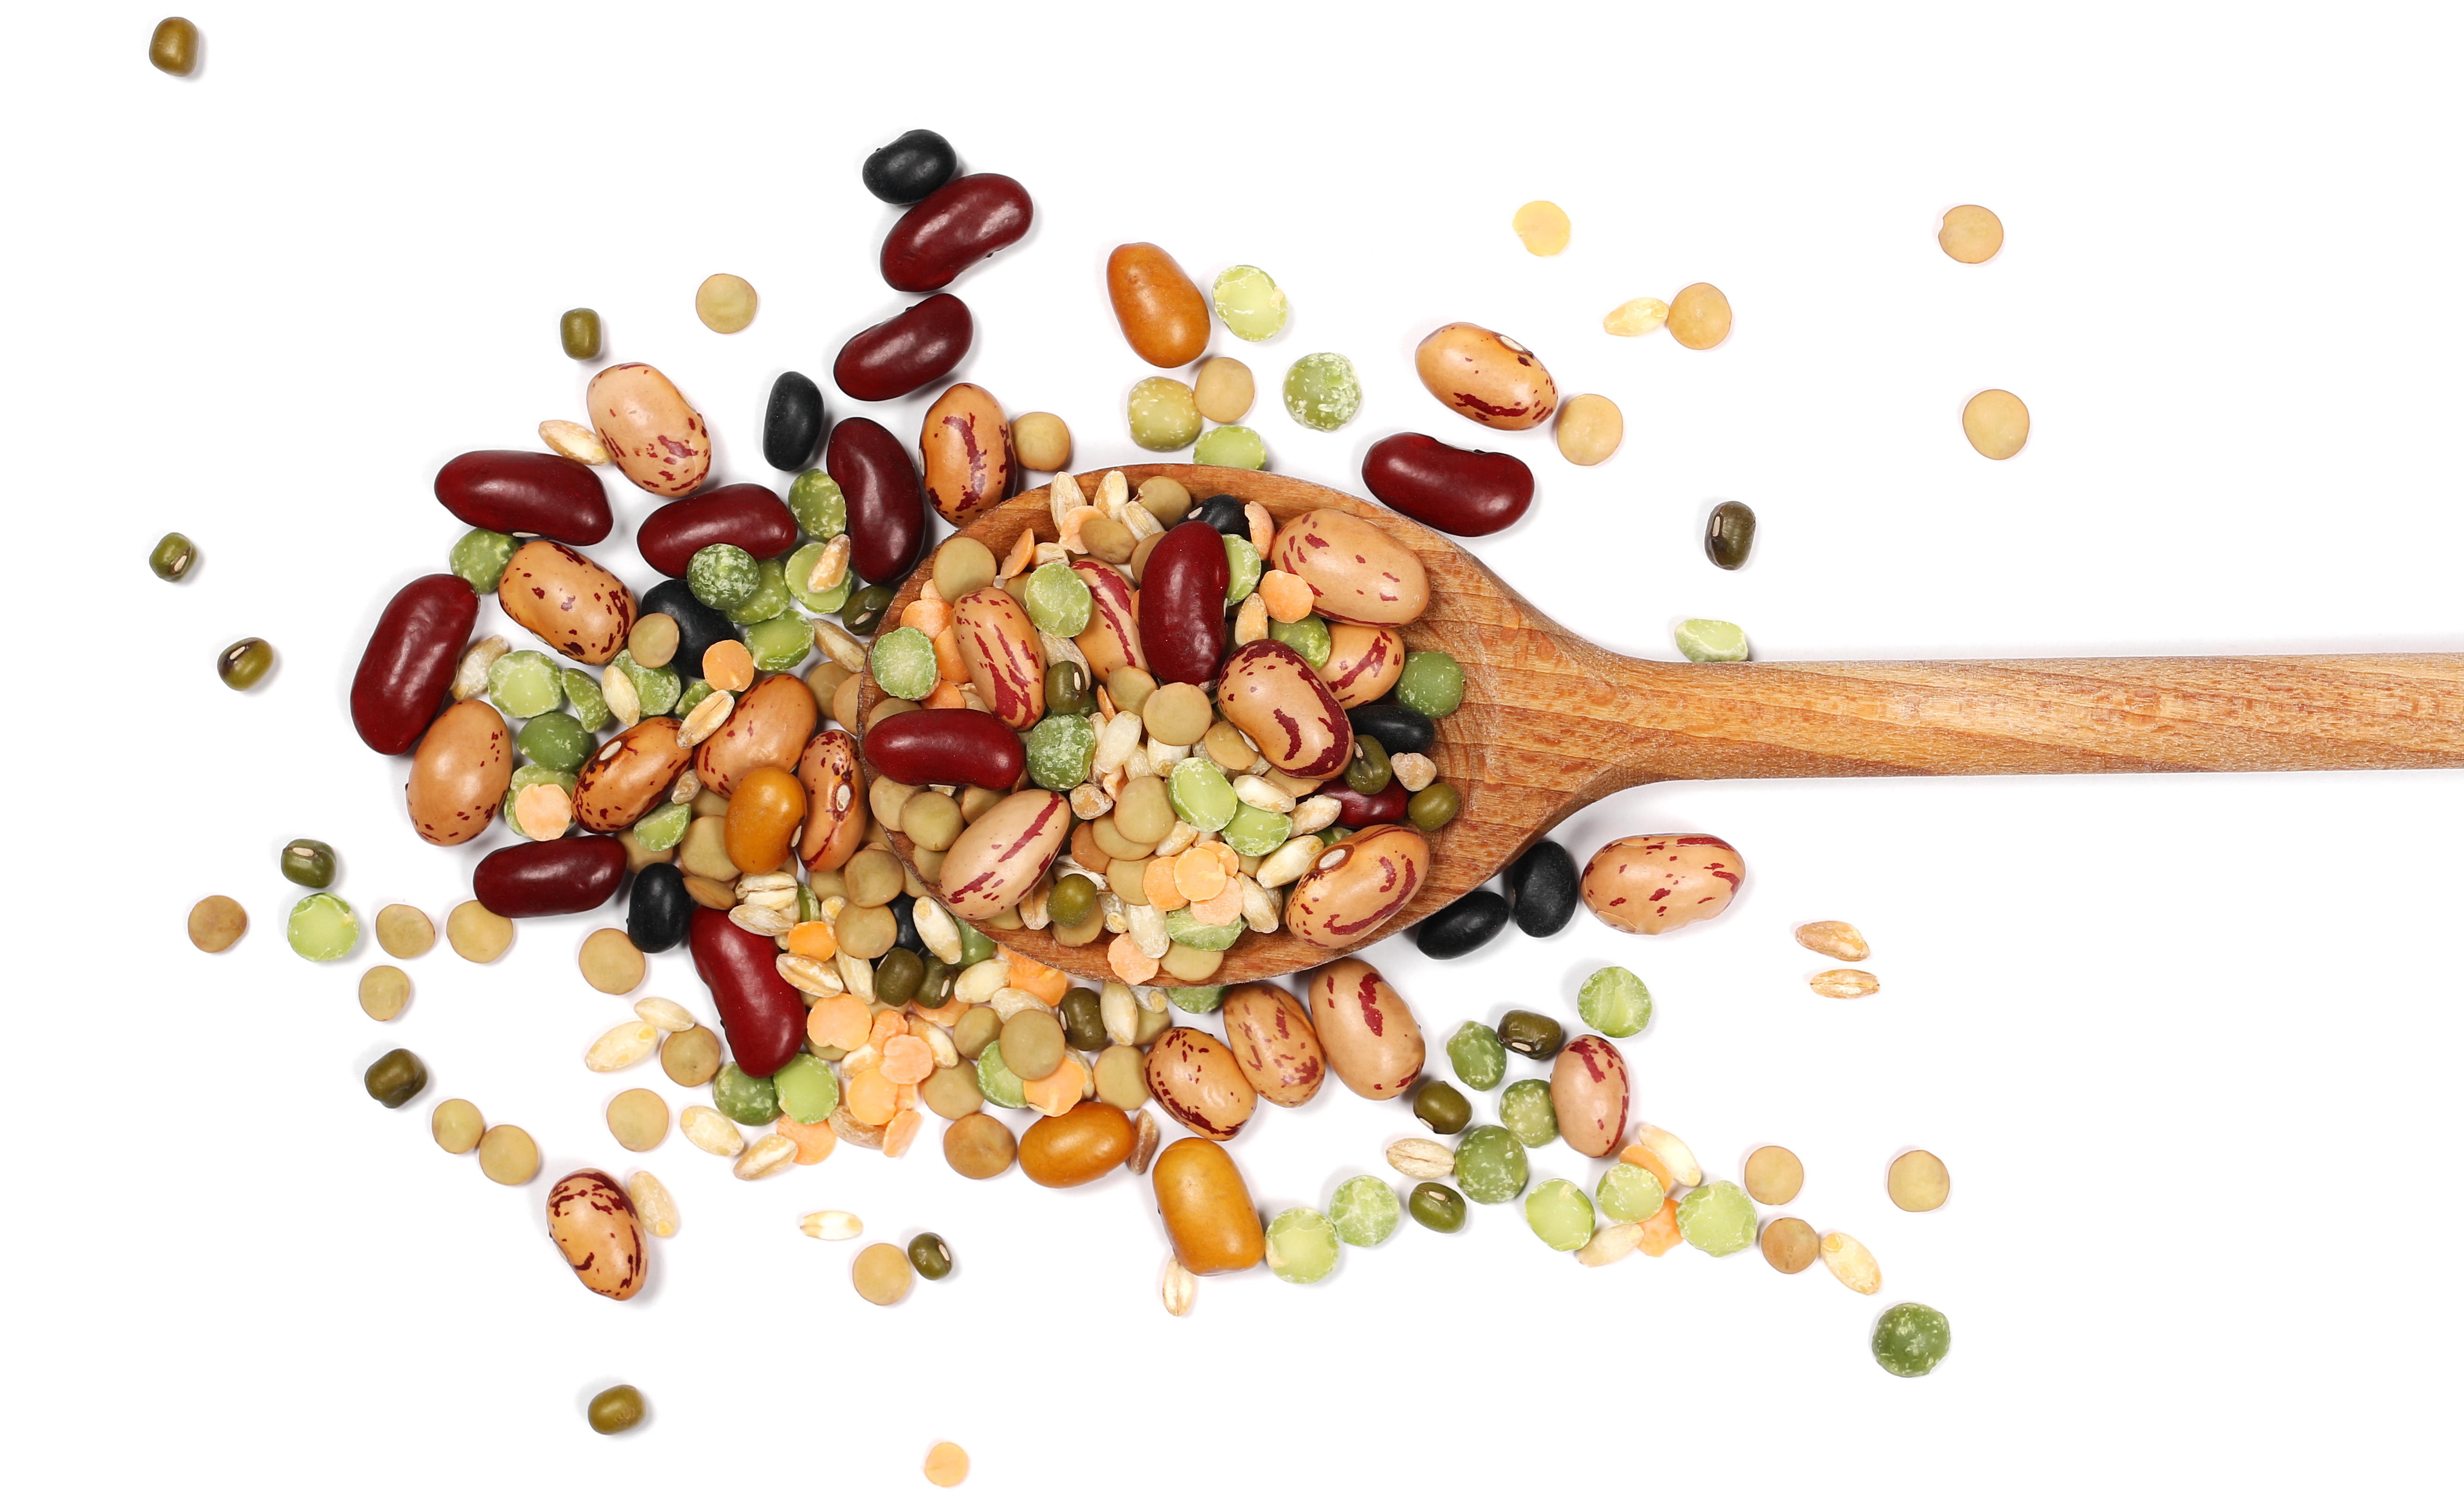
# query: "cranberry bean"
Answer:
x=550 y=878
x=1357 y=572
x=1356 y=812
x=1002 y=654
x=954 y=747
x=1181 y=604
x=565 y=598
x=408 y=665
x=835 y=813
x=963 y=221
x=1270 y=694
x=1363 y=662
x=526 y=493
x=1444 y=487
x=761 y=1014
x=742 y=514
x=918 y=346
x=885 y=501
x=1110 y=640
x=967 y=464
x=1352 y=890
x=1003 y=853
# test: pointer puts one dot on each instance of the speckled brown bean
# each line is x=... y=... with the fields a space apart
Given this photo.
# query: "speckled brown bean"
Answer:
x=1656 y=883
x=769 y=726
x=1588 y=1088
x=1270 y=694
x=655 y=439
x=834 y=802
x=1003 y=853
x=1109 y=641
x=1373 y=1042
x=631 y=775
x=1002 y=654
x=1273 y=1043
x=1206 y=1209
x=1356 y=572
x=1363 y=664
x=967 y=466
x=568 y=600
x=459 y=774
x=1357 y=887
x=1486 y=378
x=592 y=1220
x=1195 y=1078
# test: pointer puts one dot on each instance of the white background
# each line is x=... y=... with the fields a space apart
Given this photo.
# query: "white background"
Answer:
x=2186 y=1043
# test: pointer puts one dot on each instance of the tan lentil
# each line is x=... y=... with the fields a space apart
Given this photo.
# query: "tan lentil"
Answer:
x=1790 y=1246
x=1698 y=317
x=1919 y=1181
x=1996 y=424
x=1041 y=441
x=404 y=931
x=385 y=990
x=1774 y=1175
x=639 y=1119
x=456 y=1125
x=612 y=963
x=508 y=1156
x=1225 y=390
x=477 y=934
x=1970 y=234
x=1544 y=227
x=883 y=1275
x=725 y=302
x=1590 y=428
x=215 y=924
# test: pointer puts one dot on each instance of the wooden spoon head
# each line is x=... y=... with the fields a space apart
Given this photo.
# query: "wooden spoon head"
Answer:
x=1472 y=616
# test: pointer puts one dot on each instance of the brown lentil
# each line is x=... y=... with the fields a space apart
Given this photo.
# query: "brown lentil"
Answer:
x=456 y=1125
x=883 y=1275
x=653 y=640
x=1996 y=423
x=931 y=820
x=873 y=878
x=1032 y=1045
x=508 y=1156
x=704 y=849
x=1107 y=541
x=1041 y=441
x=404 y=931
x=1919 y=1181
x=979 y=1146
x=215 y=924
x=690 y=1057
x=1226 y=390
x=976 y=1027
x=1970 y=234
x=1790 y=1246
x=173 y=48
x=639 y=1119
x=1590 y=428
x=477 y=934
x=1178 y=713
x=385 y=990
x=952 y=1092
x=1698 y=317
x=1120 y=1077
x=612 y=963
x=1774 y=1175
x=867 y=933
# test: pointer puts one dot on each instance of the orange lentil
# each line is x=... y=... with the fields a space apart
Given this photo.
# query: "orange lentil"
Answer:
x=931 y=615
x=946 y=1465
x=907 y=1060
x=814 y=1142
x=1021 y=554
x=838 y=1022
x=948 y=695
x=1132 y=966
x=900 y=1134
x=1060 y=1090
x=1659 y=1231
x=887 y=1024
x=728 y=666
x=945 y=1015
x=945 y=656
x=816 y=940
x=1217 y=910
x=1197 y=875
x=1638 y=1154
x=870 y=1098
x=1042 y=982
x=1163 y=890
x=1288 y=597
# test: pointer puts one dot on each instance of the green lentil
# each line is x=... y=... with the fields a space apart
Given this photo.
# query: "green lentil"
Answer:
x=1441 y=1108
x=1432 y=683
x=1433 y=807
x=556 y=740
x=800 y=571
x=577 y=330
x=478 y=558
x=818 y=504
x=322 y=927
x=173 y=47
x=309 y=863
x=1560 y=1214
x=1065 y=689
x=999 y=1083
x=244 y=663
x=1490 y=1167
x=781 y=643
x=1364 y=1211
x=895 y=975
x=1183 y=928
x=1910 y=1339
x=1059 y=749
x=723 y=575
x=655 y=686
x=1201 y=795
x=930 y=1255
x=1322 y=392
x=1529 y=1113
x=1477 y=1056
x=1711 y=640
x=1257 y=832
x=1310 y=636
x=1629 y=1192
x=1057 y=599
x=663 y=827
x=1369 y=770
x=1246 y=568
x=1197 y=999
x=1436 y=1206
x=1615 y=1002
x=1530 y=1034
x=1249 y=303
x=1301 y=1245
x=1081 y=1020
x=172 y=556
x=1073 y=901
x=589 y=703
x=395 y=1078
x=1231 y=446
x=805 y=1089
x=744 y=1099
x=866 y=606
x=619 y=1407
x=1163 y=414
x=1718 y=1218
x=524 y=684
x=903 y=662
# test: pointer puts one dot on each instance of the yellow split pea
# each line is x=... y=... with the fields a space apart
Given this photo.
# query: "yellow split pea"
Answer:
x=1544 y=227
x=1970 y=234
x=1996 y=423
x=725 y=302
x=1590 y=428
x=1698 y=317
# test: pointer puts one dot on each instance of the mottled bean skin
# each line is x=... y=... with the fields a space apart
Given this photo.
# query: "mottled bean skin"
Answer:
x=1373 y=1042
x=1359 y=573
x=834 y=805
x=408 y=665
x=628 y=776
x=1273 y=1043
x=656 y=439
x=884 y=503
x=1656 y=883
x=1444 y=487
x=1363 y=664
x=967 y=464
x=959 y=224
x=957 y=747
x=595 y=1226
x=459 y=775
x=742 y=514
x=1588 y=1088
x=1356 y=888
x=1270 y=694
x=1002 y=654
x=1110 y=640
x=770 y=726
x=526 y=493
x=761 y=1014
x=565 y=598
x=1003 y=853
x=920 y=345
x=549 y=878
x=1181 y=604
x=1195 y=1078
x=1486 y=378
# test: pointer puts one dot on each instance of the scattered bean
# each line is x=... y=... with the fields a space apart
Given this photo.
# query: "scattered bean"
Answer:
x=612 y=963
x=1910 y=1339
x=951 y=228
x=725 y=302
x=1231 y=446
x=1322 y=390
x=1529 y=1033
x=244 y=664
x=659 y=440
x=1996 y=424
x=930 y=1254
x=1486 y=378
x=1654 y=883
x=1160 y=311
x=477 y=934
x=1441 y=1108
x=577 y=331
x=1163 y=414
x=385 y=990
x=1041 y=441
x=1850 y=1262
x=1919 y=1181
x=1970 y=234
x=945 y=1466
x=173 y=48
x=1636 y=316
x=1249 y=303
x=617 y=1409
x=1615 y=1001
x=1711 y=640
x=1207 y=1208
x=1629 y=1192
x=1790 y=1245
x=1590 y=428
x=217 y=923
x=1729 y=536
x=1301 y=1245
x=1460 y=492
x=395 y=1078
x=1698 y=317
x=322 y=927
x=1560 y=1214
x=978 y=1146
x=1438 y=1208
x=1489 y=1162
x=909 y=168
x=883 y=1273
x=1529 y=1113
x=638 y=1118
x=456 y=1125
x=1717 y=1219
x=172 y=556
x=1843 y=985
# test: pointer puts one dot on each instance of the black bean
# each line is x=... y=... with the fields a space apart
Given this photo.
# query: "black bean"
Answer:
x=698 y=624
x=1463 y=925
x=1226 y=514
x=903 y=908
x=911 y=167
x=661 y=910
x=1542 y=888
x=1399 y=729
x=791 y=432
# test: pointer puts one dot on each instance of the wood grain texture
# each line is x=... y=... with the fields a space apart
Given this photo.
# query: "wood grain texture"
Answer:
x=1551 y=724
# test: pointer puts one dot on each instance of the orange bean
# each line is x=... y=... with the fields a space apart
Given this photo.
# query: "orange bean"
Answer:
x=838 y=1022
x=907 y=1060
x=870 y=1098
x=763 y=813
x=896 y=1137
x=1132 y=966
x=814 y=1142
x=1659 y=1231
x=1039 y=981
x=812 y=940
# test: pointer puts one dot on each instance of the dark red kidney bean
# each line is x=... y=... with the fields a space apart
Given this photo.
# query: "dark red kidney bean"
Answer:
x=960 y=223
x=763 y=1015
x=408 y=665
x=791 y=428
x=1181 y=602
x=526 y=493
x=921 y=343
x=660 y=909
x=1399 y=729
x=698 y=624
x=551 y=877
x=884 y=499
x=742 y=514
x=1358 y=812
x=931 y=746
x=1460 y=492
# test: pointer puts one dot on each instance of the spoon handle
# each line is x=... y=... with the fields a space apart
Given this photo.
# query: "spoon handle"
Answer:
x=1663 y=720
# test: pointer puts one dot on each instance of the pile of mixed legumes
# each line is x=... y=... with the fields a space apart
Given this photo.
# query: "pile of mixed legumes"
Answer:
x=1165 y=719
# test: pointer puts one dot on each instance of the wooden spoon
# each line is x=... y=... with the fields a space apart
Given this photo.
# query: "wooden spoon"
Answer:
x=1551 y=724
